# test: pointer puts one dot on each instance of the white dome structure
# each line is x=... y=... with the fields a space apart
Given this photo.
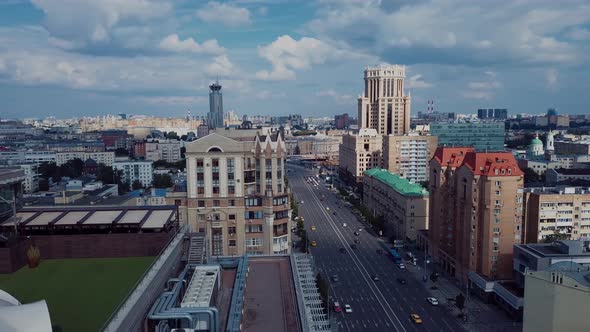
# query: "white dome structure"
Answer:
x=17 y=317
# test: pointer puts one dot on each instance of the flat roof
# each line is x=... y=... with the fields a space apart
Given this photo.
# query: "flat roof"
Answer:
x=72 y=218
x=133 y=217
x=200 y=289
x=270 y=296
x=399 y=184
x=157 y=219
x=149 y=217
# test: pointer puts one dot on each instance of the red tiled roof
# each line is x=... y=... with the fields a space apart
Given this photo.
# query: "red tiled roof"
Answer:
x=492 y=163
x=453 y=157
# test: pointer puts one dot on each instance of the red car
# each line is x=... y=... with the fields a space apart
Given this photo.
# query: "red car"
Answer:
x=337 y=307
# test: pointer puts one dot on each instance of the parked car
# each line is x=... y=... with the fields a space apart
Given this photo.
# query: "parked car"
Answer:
x=342 y=250
x=357 y=233
x=401 y=266
x=335 y=278
x=432 y=300
x=314 y=244
x=353 y=246
x=337 y=307
x=401 y=281
x=343 y=224
x=347 y=308
x=375 y=278
x=416 y=318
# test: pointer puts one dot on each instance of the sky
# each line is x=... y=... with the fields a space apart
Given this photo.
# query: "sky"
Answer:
x=73 y=58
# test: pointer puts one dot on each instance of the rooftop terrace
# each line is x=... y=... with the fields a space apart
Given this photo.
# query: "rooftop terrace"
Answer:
x=399 y=184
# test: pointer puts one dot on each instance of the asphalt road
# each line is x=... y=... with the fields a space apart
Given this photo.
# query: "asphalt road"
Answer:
x=383 y=305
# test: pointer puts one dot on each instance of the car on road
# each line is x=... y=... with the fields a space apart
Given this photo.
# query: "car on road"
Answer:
x=347 y=308
x=359 y=229
x=353 y=246
x=343 y=224
x=375 y=278
x=337 y=307
x=335 y=278
x=401 y=266
x=301 y=202
x=416 y=318
x=314 y=244
x=313 y=228
x=342 y=250
x=380 y=251
x=401 y=281
x=357 y=233
x=432 y=300
x=357 y=241
x=334 y=213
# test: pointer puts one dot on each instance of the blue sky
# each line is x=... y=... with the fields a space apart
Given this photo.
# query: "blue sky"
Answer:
x=69 y=58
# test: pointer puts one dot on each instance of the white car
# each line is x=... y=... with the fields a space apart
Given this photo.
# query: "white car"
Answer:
x=301 y=202
x=344 y=225
x=347 y=308
x=432 y=300
x=401 y=266
x=360 y=229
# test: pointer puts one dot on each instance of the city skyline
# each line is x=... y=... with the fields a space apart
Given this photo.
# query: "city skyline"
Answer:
x=149 y=57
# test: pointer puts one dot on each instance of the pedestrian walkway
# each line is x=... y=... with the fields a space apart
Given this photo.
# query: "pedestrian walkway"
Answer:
x=480 y=316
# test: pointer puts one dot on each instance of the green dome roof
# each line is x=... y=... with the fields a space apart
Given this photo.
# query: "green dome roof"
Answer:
x=536 y=141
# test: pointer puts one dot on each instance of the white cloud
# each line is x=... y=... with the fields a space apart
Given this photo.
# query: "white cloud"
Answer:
x=172 y=43
x=452 y=31
x=268 y=95
x=263 y=11
x=477 y=94
x=418 y=82
x=287 y=55
x=483 y=89
x=551 y=77
x=171 y=100
x=221 y=66
x=82 y=23
x=579 y=34
x=216 y=12
x=337 y=97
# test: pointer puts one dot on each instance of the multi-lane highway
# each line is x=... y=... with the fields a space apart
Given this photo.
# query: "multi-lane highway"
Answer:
x=383 y=305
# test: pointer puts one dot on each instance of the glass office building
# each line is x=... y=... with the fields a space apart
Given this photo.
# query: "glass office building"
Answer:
x=481 y=136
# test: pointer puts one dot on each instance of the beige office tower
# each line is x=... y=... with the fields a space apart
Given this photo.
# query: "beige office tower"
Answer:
x=384 y=105
x=236 y=193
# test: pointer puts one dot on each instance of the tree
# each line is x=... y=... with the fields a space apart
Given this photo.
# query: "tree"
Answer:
x=136 y=185
x=121 y=152
x=171 y=135
x=43 y=185
x=50 y=170
x=460 y=301
x=434 y=277
x=555 y=237
x=530 y=176
x=162 y=181
x=108 y=175
x=72 y=168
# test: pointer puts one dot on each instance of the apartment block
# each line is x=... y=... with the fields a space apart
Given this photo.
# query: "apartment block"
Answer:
x=105 y=157
x=557 y=211
x=168 y=150
x=30 y=182
x=483 y=136
x=558 y=176
x=360 y=152
x=236 y=193
x=557 y=299
x=408 y=155
x=580 y=147
x=141 y=171
x=402 y=204
x=476 y=209
x=384 y=106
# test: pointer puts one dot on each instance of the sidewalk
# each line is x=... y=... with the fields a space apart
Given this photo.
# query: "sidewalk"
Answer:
x=480 y=316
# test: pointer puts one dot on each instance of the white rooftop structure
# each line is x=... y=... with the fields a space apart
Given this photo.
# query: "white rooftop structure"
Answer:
x=201 y=287
x=17 y=317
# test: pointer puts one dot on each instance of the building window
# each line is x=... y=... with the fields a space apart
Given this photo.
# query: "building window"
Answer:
x=216 y=190
x=201 y=190
x=253 y=215
x=279 y=188
x=231 y=190
x=199 y=163
x=232 y=217
x=253 y=228
x=216 y=203
x=231 y=230
x=232 y=243
x=232 y=202
x=200 y=204
x=254 y=242
x=201 y=217
x=215 y=162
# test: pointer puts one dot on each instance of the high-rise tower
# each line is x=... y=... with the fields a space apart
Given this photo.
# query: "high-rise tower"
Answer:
x=215 y=115
x=384 y=105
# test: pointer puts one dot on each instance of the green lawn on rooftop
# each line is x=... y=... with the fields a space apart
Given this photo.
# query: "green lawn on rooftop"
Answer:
x=81 y=293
